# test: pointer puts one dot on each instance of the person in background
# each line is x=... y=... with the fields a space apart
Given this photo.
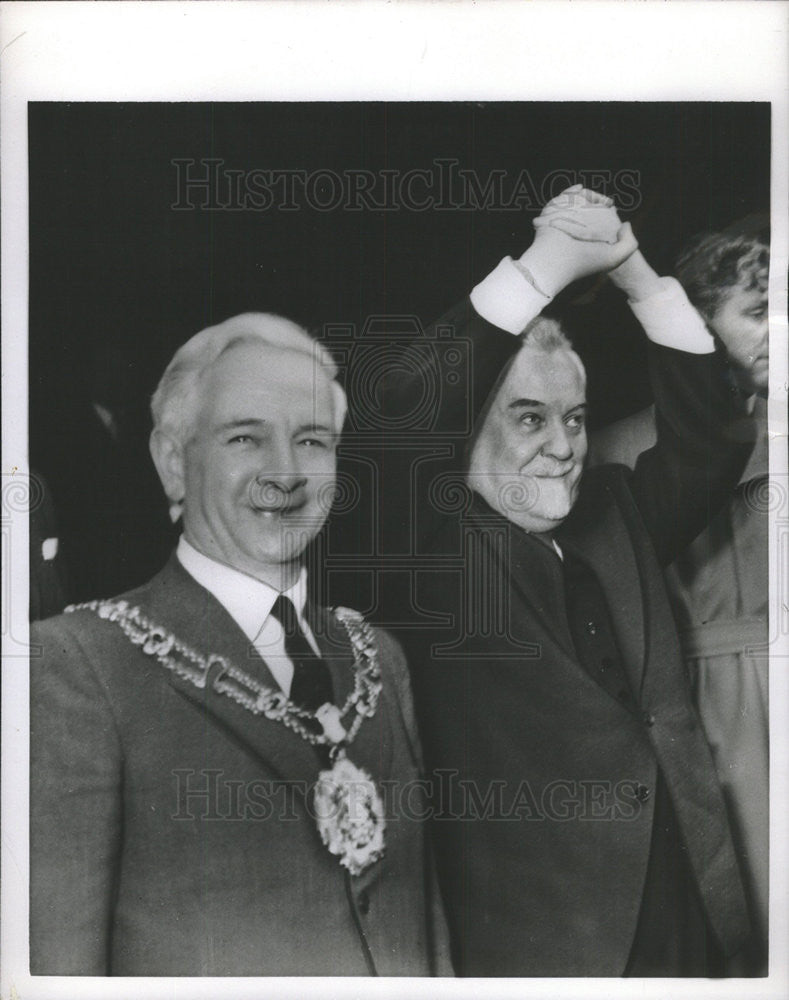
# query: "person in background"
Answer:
x=719 y=583
x=113 y=528
x=48 y=575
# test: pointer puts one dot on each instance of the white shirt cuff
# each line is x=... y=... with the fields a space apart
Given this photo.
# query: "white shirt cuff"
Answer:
x=506 y=299
x=670 y=320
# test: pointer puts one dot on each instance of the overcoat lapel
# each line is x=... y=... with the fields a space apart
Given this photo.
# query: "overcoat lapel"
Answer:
x=528 y=574
x=596 y=532
x=537 y=576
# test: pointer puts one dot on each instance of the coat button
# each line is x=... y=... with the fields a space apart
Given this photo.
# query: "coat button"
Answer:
x=591 y=628
x=363 y=902
x=649 y=719
x=642 y=793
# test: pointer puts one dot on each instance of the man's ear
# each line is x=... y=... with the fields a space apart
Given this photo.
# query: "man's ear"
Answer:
x=168 y=457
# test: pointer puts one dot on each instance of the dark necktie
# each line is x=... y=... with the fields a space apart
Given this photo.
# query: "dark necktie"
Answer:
x=311 y=686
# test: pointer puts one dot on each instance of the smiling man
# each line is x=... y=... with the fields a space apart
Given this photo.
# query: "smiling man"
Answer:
x=580 y=827
x=535 y=426
x=208 y=752
x=254 y=465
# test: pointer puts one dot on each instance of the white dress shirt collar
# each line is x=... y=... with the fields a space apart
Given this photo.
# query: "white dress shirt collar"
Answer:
x=248 y=601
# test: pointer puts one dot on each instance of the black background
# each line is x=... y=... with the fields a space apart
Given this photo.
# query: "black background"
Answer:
x=118 y=278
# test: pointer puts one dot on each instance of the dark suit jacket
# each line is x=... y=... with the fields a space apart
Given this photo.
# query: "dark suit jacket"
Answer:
x=172 y=836
x=546 y=774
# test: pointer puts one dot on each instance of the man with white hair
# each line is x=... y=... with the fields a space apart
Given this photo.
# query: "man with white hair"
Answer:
x=579 y=824
x=210 y=752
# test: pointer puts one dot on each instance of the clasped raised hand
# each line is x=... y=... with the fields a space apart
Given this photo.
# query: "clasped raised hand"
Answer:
x=578 y=233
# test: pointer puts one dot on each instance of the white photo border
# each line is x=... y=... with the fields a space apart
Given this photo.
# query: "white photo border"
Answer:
x=333 y=51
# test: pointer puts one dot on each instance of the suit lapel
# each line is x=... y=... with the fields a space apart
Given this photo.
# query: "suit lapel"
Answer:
x=196 y=616
x=178 y=604
x=335 y=649
x=373 y=746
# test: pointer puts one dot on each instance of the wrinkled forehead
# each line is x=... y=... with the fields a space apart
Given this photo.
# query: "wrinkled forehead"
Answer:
x=544 y=376
x=253 y=374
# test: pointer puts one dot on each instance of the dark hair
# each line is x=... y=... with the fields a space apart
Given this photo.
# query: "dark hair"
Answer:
x=713 y=264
